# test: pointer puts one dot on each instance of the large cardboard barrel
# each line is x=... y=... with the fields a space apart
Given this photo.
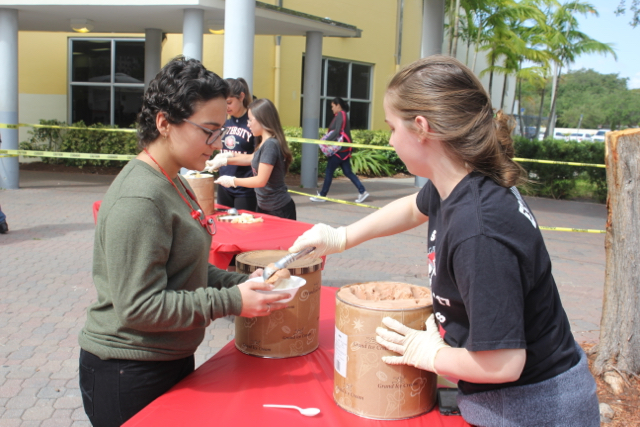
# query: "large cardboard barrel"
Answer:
x=363 y=384
x=204 y=190
x=292 y=331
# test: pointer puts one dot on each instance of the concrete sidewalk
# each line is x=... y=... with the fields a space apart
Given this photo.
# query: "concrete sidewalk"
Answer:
x=45 y=279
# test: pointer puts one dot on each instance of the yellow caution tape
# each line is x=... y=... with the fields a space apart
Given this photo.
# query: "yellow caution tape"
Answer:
x=290 y=139
x=575 y=230
x=344 y=144
x=22 y=125
x=553 y=162
x=344 y=202
x=59 y=154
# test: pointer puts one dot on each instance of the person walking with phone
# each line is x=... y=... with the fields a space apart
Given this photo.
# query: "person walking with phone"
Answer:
x=506 y=336
x=340 y=126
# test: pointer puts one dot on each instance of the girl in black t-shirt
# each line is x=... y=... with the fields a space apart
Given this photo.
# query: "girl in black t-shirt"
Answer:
x=237 y=140
x=506 y=335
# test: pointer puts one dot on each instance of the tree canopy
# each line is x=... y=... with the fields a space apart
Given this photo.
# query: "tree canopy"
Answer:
x=634 y=9
x=602 y=99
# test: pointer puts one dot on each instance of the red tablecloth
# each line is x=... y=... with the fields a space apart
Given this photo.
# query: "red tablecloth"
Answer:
x=232 y=239
x=273 y=233
x=231 y=387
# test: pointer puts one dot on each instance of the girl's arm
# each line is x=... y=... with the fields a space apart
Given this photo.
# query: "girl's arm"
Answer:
x=240 y=160
x=484 y=367
x=260 y=180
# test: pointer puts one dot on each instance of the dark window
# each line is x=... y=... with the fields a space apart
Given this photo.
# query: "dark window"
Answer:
x=90 y=104
x=348 y=80
x=91 y=61
x=107 y=80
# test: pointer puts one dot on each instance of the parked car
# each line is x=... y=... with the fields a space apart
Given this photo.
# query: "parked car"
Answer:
x=559 y=135
x=599 y=136
x=530 y=132
x=579 y=136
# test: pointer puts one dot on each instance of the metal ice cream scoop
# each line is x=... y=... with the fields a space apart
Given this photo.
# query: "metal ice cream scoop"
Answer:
x=285 y=261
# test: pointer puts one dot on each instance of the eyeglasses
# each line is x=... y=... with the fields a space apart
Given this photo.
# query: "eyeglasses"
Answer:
x=212 y=134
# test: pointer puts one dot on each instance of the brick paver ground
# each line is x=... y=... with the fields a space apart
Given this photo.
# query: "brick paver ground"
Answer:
x=45 y=279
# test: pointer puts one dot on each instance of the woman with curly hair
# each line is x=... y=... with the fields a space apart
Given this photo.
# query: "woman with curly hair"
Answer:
x=156 y=290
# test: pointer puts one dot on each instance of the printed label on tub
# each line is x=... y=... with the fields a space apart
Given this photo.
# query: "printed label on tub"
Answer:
x=340 y=353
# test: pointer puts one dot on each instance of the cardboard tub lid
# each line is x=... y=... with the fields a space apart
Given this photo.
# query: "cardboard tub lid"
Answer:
x=251 y=261
x=385 y=295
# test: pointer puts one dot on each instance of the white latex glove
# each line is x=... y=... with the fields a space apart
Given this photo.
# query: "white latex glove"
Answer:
x=217 y=162
x=326 y=239
x=226 y=181
x=417 y=348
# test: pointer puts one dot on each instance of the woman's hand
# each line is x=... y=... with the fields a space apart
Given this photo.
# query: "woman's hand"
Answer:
x=218 y=161
x=226 y=181
x=257 y=273
x=417 y=348
x=255 y=304
x=326 y=239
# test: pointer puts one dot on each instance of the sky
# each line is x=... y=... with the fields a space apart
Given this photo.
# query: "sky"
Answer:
x=609 y=28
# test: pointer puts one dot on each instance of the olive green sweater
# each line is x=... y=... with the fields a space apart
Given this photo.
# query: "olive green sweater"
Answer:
x=156 y=290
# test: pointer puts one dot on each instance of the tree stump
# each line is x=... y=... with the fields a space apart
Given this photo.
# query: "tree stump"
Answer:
x=618 y=352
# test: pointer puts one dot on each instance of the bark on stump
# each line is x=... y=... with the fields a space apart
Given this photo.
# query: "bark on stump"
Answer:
x=618 y=352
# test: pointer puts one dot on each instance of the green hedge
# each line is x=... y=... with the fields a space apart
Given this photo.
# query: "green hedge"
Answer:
x=560 y=181
x=556 y=181
x=364 y=161
x=81 y=140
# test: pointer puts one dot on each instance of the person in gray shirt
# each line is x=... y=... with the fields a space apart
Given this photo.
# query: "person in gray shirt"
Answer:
x=269 y=162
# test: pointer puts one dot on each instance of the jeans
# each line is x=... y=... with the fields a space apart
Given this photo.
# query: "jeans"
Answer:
x=3 y=217
x=288 y=211
x=115 y=390
x=332 y=164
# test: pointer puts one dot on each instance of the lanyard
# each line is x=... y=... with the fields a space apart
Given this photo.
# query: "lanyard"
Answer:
x=198 y=215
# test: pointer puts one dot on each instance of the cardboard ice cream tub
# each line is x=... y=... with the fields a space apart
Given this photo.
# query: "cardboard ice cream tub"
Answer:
x=292 y=331
x=204 y=190
x=363 y=384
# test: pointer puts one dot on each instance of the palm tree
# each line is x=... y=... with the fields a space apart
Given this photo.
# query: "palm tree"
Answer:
x=566 y=43
x=508 y=39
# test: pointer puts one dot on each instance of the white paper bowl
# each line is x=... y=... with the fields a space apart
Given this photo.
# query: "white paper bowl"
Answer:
x=292 y=285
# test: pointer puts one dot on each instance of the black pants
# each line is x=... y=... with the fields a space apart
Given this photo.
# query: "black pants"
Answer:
x=115 y=390
x=247 y=203
x=288 y=211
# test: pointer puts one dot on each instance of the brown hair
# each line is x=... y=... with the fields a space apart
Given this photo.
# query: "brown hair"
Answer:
x=178 y=90
x=459 y=112
x=237 y=87
x=266 y=114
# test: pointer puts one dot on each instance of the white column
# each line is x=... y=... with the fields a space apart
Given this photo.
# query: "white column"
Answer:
x=311 y=108
x=239 y=35
x=9 y=168
x=152 y=54
x=432 y=27
x=432 y=39
x=192 y=33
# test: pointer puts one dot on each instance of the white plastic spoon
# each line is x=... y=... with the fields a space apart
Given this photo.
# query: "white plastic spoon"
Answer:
x=309 y=412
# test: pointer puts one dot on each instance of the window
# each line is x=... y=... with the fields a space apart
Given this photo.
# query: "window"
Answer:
x=350 y=81
x=106 y=80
